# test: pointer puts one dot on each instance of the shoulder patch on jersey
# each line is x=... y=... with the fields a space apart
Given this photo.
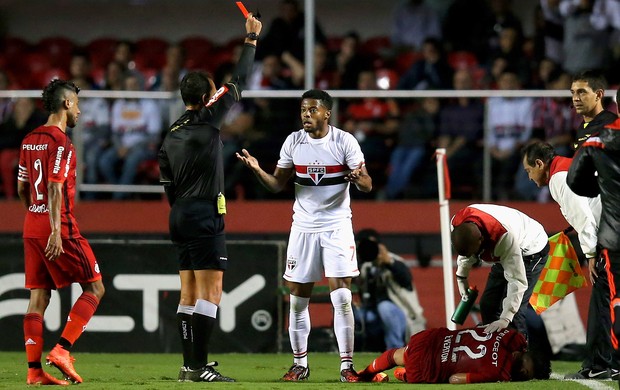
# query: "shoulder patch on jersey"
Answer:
x=220 y=92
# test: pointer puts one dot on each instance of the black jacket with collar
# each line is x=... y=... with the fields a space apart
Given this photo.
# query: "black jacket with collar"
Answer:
x=596 y=170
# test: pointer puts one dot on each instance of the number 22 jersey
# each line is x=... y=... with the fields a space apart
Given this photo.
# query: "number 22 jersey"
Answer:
x=47 y=155
x=434 y=355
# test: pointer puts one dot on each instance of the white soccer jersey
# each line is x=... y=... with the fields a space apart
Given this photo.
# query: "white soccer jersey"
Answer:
x=322 y=200
x=580 y=212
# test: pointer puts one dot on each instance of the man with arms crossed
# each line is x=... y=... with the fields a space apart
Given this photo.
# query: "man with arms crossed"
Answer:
x=323 y=161
x=55 y=252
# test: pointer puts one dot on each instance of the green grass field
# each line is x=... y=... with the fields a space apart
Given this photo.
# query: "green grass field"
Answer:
x=252 y=371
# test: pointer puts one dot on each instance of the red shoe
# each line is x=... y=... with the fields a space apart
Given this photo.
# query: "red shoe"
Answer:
x=296 y=373
x=349 y=375
x=36 y=376
x=401 y=374
x=60 y=358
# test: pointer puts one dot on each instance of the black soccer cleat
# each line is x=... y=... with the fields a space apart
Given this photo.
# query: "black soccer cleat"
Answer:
x=206 y=374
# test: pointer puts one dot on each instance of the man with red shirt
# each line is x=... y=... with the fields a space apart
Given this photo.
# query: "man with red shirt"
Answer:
x=469 y=355
x=55 y=252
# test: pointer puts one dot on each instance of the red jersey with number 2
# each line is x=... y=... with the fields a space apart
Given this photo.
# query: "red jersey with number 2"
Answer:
x=47 y=155
x=432 y=356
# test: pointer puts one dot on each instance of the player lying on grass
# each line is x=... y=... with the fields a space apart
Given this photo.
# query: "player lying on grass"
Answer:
x=460 y=356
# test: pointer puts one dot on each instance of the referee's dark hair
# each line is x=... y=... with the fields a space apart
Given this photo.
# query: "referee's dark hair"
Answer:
x=595 y=79
x=319 y=94
x=55 y=94
x=193 y=86
x=538 y=150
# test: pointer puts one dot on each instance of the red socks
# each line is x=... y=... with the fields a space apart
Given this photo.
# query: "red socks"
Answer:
x=33 y=337
x=382 y=363
x=81 y=312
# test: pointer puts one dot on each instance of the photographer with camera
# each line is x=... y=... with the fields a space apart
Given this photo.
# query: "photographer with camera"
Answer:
x=390 y=311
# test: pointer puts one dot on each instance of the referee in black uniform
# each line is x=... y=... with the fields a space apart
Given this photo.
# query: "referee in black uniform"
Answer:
x=192 y=172
x=588 y=90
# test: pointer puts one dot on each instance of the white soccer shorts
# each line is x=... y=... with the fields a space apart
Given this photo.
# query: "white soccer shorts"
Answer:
x=309 y=254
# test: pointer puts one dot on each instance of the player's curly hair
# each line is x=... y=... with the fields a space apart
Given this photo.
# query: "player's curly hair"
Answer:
x=318 y=94
x=55 y=94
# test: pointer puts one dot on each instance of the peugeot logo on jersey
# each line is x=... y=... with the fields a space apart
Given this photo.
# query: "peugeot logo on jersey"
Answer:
x=316 y=173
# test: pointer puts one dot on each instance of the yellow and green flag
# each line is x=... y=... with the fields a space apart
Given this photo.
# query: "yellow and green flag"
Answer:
x=560 y=276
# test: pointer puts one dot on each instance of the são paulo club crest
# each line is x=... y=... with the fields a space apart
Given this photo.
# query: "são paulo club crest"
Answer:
x=291 y=263
x=316 y=173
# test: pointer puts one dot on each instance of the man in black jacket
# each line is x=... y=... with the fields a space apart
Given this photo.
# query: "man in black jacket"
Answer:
x=596 y=170
x=192 y=172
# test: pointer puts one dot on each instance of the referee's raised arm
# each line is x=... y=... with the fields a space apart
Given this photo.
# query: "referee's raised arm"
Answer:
x=253 y=27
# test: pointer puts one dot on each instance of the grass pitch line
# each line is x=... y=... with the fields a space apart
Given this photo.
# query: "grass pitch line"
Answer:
x=591 y=384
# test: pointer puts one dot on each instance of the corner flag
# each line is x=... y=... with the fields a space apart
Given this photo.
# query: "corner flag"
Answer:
x=560 y=276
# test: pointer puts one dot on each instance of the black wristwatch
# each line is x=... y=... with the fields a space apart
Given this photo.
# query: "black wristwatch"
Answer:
x=253 y=36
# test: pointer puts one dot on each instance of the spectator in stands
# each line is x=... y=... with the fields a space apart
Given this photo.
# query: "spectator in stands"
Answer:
x=168 y=81
x=510 y=47
x=237 y=132
x=544 y=68
x=606 y=17
x=286 y=33
x=461 y=34
x=269 y=75
x=124 y=52
x=502 y=17
x=350 y=61
x=510 y=127
x=94 y=133
x=413 y=22
x=415 y=132
x=6 y=104
x=324 y=75
x=136 y=129
x=430 y=72
x=175 y=64
x=114 y=77
x=373 y=122
x=24 y=117
x=552 y=30
x=585 y=47
x=272 y=118
x=124 y=55
x=497 y=67
x=80 y=70
x=390 y=311
x=460 y=132
x=555 y=120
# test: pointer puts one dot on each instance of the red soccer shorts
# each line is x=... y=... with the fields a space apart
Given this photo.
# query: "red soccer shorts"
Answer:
x=77 y=265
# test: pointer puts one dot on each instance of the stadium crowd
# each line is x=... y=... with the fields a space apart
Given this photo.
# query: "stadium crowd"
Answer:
x=424 y=51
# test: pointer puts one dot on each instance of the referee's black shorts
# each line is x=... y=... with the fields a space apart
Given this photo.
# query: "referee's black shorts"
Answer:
x=197 y=230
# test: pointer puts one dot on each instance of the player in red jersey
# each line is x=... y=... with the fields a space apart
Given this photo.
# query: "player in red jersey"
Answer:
x=55 y=252
x=469 y=355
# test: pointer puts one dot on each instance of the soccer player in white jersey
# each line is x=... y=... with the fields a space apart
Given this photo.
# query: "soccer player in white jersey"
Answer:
x=323 y=160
